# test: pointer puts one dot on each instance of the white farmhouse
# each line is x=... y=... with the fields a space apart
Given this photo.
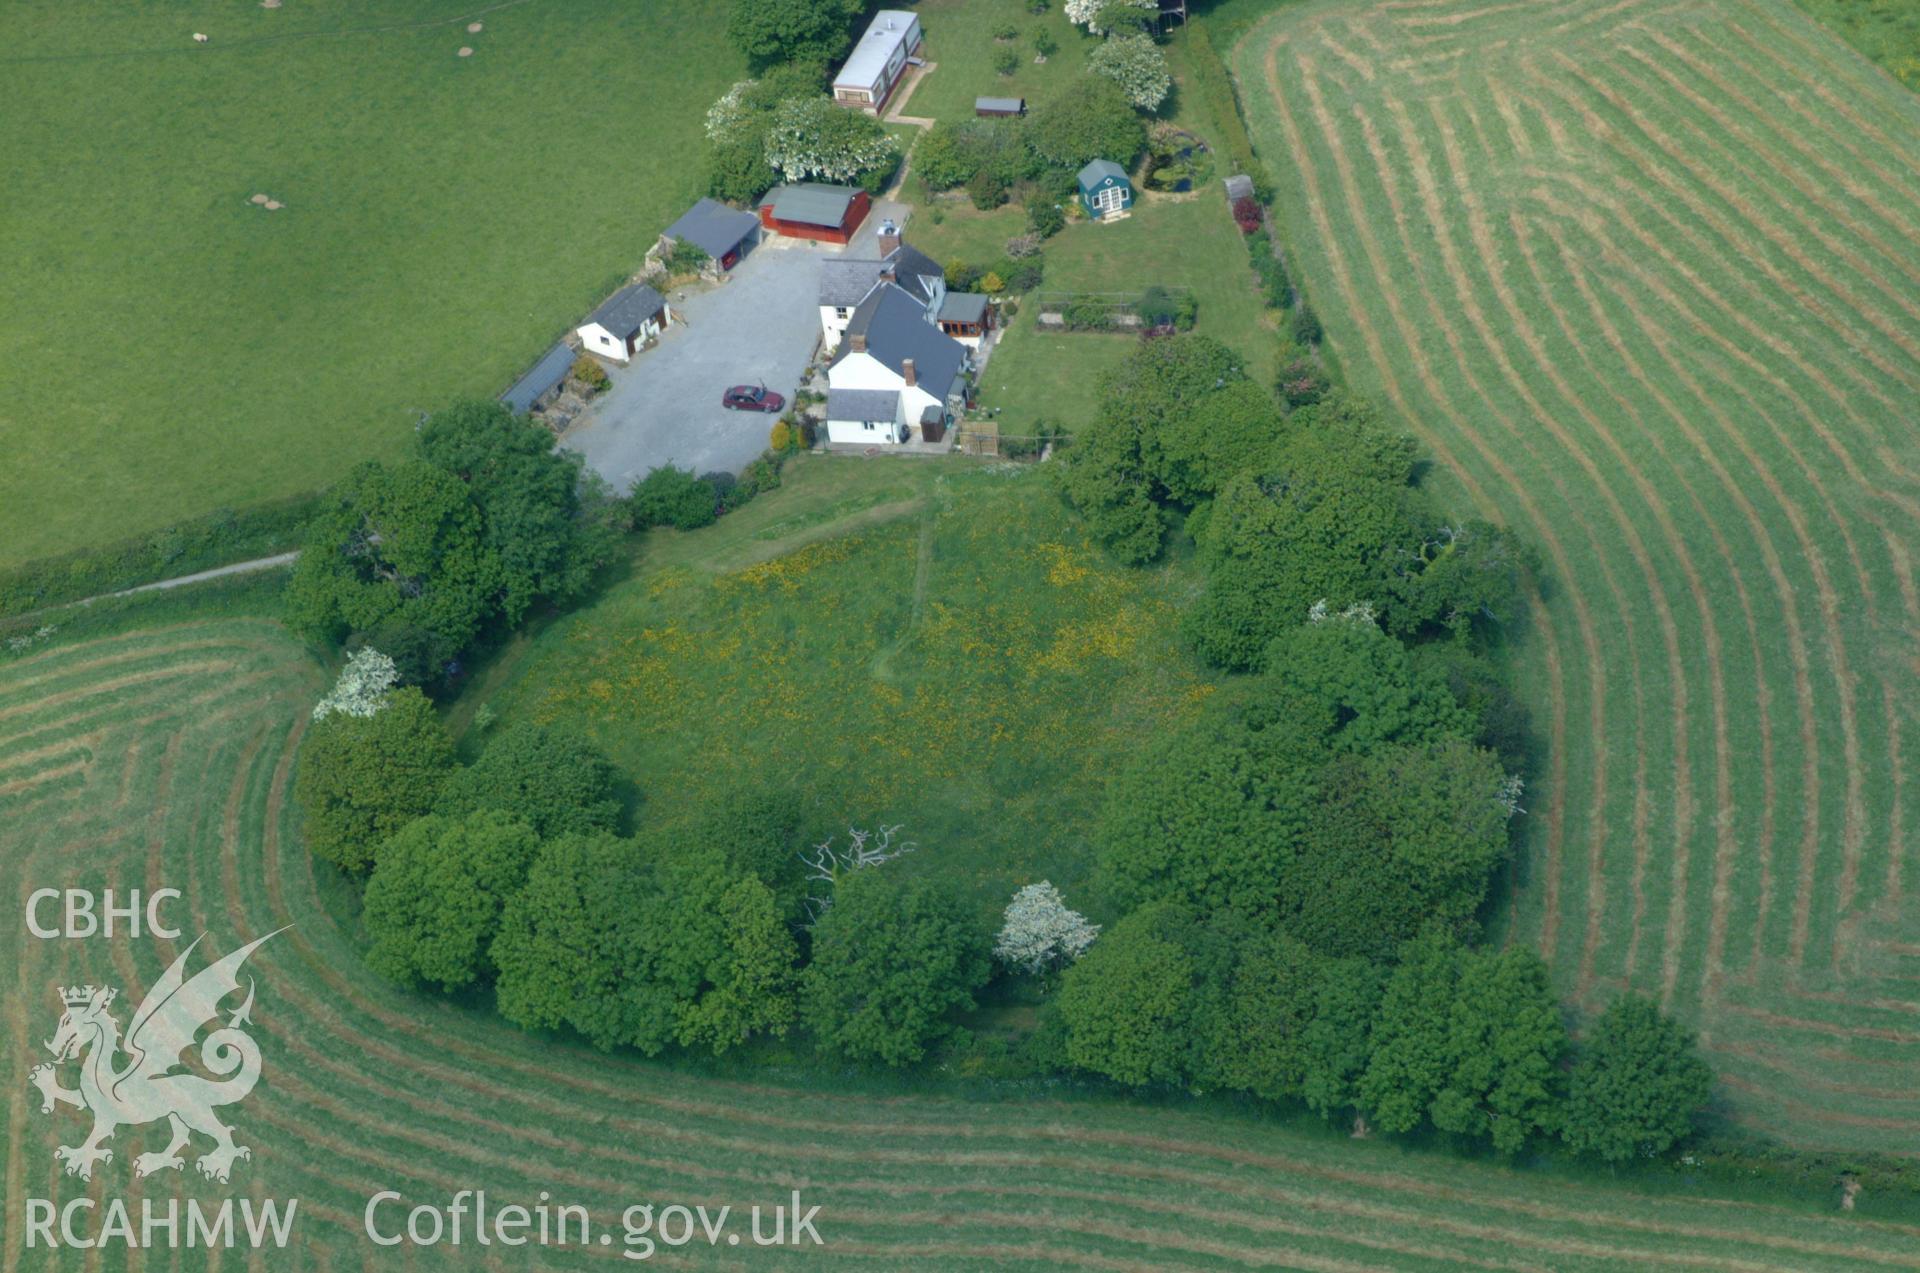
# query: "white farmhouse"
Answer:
x=625 y=321
x=897 y=378
x=847 y=281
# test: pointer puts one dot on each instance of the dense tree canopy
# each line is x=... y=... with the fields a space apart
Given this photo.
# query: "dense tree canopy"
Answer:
x=553 y=780
x=953 y=151
x=1504 y=1045
x=1137 y=65
x=564 y=946
x=1469 y=1040
x=817 y=139
x=1129 y=1003
x=1084 y=119
x=363 y=778
x=645 y=944
x=770 y=32
x=528 y=493
x=1326 y=519
x=1175 y=421
x=433 y=903
x=893 y=960
x=1637 y=1085
x=402 y=542
x=1359 y=687
x=418 y=555
x=1259 y=808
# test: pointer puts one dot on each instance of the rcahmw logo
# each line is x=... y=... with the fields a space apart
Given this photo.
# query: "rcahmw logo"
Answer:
x=141 y=1078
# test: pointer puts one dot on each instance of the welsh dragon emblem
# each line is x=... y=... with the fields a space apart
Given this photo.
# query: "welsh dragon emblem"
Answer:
x=149 y=1084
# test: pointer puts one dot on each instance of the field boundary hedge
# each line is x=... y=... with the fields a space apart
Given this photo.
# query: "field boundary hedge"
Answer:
x=219 y=538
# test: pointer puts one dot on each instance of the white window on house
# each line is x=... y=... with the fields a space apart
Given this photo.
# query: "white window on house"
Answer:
x=839 y=311
x=1108 y=200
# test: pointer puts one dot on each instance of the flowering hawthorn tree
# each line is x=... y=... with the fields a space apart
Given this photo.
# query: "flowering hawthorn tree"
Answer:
x=812 y=137
x=730 y=112
x=1040 y=932
x=362 y=687
x=1138 y=66
x=1089 y=13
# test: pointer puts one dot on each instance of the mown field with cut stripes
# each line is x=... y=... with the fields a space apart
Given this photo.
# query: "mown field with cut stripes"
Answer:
x=163 y=758
x=1645 y=278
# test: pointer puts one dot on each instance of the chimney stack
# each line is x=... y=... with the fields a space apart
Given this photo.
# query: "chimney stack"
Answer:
x=857 y=342
x=889 y=238
x=906 y=372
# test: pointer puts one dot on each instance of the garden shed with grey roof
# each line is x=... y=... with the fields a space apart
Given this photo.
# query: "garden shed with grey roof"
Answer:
x=724 y=234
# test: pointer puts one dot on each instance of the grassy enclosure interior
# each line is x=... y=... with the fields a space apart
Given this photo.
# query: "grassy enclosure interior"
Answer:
x=169 y=347
x=169 y=748
x=936 y=645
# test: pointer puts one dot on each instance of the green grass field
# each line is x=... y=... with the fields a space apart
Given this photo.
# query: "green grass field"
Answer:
x=1643 y=278
x=162 y=756
x=169 y=348
x=935 y=644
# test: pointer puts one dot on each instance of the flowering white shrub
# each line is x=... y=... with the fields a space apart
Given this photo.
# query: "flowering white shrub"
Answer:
x=1087 y=13
x=1508 y=797
x=1138 y=66
x=362 y=687
x=812 y=137
x=730 y=113
x=1040 y=932
x=1358 y=612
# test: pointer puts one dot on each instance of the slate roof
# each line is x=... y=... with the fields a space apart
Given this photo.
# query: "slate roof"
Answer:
x=810 y=203
x=713 y=227
x=624 y=311
x=897 y=329
x=537 y=383
x=1098 y=170
x=876 y=405
x=864 y=67
x=963 y=307
x=845 y=281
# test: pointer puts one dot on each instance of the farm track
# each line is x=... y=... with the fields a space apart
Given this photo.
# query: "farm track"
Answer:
x=191 y=735
x=1642 y=276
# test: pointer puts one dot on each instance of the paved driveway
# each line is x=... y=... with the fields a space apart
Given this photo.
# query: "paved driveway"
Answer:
x=664 y=406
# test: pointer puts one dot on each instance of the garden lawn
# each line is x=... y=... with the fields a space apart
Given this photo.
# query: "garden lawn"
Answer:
x=1186 y=242
x=955 y=657
x=167 y=347
x=960 y=43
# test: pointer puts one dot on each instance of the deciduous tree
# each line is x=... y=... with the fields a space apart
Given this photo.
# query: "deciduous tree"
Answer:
x=1040 y=932
x=1637 y=1085
x=433 y=903
x=893 y=959
x=552 y=779
x=1127 y=1006
x=770 y=32
x=1137 y=65
x=362 y=778
x=814 y=138
x=1086 y=118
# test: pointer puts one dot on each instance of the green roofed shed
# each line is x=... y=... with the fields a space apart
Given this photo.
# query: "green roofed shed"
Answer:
x=1105 y=190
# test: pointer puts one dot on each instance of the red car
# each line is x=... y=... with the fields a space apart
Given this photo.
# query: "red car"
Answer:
x=752 y=398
